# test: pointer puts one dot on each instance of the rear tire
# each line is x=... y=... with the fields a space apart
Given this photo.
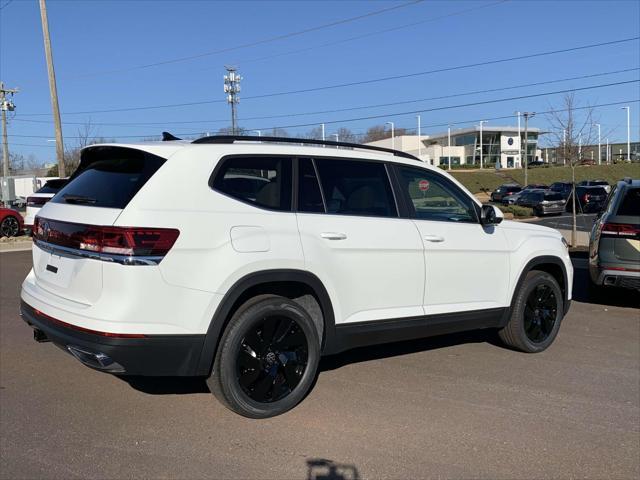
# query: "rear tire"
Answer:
x=10 y=227
x=536 y=314
x=267 y=358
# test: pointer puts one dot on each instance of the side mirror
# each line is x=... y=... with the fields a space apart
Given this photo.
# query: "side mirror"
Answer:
x=490 y=215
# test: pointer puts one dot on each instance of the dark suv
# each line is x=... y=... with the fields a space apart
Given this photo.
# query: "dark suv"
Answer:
x=588 y=199
x=614 y=248
x=543 y=202
x=563 y=188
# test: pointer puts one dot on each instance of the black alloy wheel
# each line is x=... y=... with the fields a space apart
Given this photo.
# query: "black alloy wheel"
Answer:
x=540 y=313
x=536 y=313
x=272 y=359
x=10 y=227
x=267 y=358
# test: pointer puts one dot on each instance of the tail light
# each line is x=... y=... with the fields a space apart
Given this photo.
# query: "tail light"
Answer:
x=37 y=201
x=107 y=240
x=623 y=230
x=585 y=198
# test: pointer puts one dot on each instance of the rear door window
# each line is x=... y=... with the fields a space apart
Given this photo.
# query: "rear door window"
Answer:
x=262 y=181
x=356 y=188
x=109 y=177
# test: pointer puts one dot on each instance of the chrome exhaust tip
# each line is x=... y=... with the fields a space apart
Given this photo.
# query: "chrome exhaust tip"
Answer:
x=99 y=361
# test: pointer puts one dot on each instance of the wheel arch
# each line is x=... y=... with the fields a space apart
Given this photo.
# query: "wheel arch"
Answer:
x=286 y=282
x=552 y=265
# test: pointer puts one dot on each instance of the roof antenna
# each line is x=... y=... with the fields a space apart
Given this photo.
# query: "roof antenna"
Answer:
x=167 y=137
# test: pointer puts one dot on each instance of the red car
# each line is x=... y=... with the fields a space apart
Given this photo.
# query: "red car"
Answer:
x=11 y=223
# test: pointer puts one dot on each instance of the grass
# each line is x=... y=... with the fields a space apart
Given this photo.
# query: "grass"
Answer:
x=488 y=180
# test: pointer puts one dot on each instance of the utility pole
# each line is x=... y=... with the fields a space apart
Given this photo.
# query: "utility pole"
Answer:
x=6 y=106
x=232 y=88
x=53 y=89
x=323 y=139
x=527 y=116
x=606 y=152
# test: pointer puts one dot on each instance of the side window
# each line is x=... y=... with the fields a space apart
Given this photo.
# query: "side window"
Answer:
x=356 y=188
x=309 y=196
x=262 y=181
x=433 y=197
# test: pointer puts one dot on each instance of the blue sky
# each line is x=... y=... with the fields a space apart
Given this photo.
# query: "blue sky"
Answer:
x=98 y=44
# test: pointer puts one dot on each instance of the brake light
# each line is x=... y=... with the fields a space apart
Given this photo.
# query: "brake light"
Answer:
x=621 y=230
x=509 y=193
x=37 y=201
x=585 y=198
x=127 y=241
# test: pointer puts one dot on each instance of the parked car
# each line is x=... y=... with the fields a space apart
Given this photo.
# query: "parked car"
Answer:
x=588 y=161
x=614 y=246
x=251 y=289
x=595 y=183
x=504 y=191
x=11 y=223
x=535 y=163
x=563 y=188
x=36 y=200
x=588 y=199
x=543 y=202
x=511 y=199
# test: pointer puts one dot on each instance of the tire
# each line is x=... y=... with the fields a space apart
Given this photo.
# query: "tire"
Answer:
x=533 y=325
x=10 y=227
x=267 y=359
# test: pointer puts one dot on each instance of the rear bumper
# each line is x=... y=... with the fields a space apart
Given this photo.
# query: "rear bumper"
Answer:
x=152 y=355
x=615 y=278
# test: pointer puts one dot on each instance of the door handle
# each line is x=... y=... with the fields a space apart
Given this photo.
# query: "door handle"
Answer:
x=434 y=238
x=333 y=235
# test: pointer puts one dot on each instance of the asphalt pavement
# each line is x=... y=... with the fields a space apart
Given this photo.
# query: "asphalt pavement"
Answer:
x=456 y=406
x=584 y=222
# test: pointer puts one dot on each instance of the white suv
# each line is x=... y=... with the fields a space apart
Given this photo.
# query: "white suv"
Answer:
x=244 y=259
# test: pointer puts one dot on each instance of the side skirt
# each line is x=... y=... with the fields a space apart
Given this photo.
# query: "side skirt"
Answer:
x=362 y=334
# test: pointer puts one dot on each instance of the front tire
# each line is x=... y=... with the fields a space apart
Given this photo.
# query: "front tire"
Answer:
x=536 y=314
x=267 y=359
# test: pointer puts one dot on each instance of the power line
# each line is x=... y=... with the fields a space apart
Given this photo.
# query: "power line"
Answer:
x=360 y=82
x=9 y=2
x=386 y=115
x=362 y=107
x=258 y=42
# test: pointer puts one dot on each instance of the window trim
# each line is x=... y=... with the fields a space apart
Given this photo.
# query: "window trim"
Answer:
x=411 y=209
x=224 y=159
x=386 y=166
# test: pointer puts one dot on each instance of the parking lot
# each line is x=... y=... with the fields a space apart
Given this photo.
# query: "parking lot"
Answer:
x=454 y=406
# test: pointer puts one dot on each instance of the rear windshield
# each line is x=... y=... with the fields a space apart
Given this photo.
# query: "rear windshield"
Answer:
x=552 y=196
x=599 y=182
x=53 y=186
x=560 y=187
x=596 y=191
x=109 y=177
x=630 y=204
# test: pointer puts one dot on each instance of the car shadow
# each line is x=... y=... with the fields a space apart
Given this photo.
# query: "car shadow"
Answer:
x=322 y=469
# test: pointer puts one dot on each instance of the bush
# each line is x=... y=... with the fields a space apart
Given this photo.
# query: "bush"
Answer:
x=517 y=210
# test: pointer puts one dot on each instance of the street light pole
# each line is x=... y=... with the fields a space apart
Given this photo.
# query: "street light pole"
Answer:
x=628 y=132
x=481 y=123
x=449 y=145
x=393 y=135
x=606 y=152
x=564 y=146
x=519 y=137
x=323 y=132
x=419 y=139
x=599 y=145
x=527 y=116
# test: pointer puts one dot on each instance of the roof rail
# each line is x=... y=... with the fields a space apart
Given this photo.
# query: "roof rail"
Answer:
x=304 y=141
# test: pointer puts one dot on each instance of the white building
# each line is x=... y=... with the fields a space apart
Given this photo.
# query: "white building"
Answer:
x=501 y=146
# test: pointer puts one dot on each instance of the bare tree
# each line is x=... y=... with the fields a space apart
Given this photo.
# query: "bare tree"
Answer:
x=86 y=135
x=572 y=127
x=346 y=135
x=380 y=132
